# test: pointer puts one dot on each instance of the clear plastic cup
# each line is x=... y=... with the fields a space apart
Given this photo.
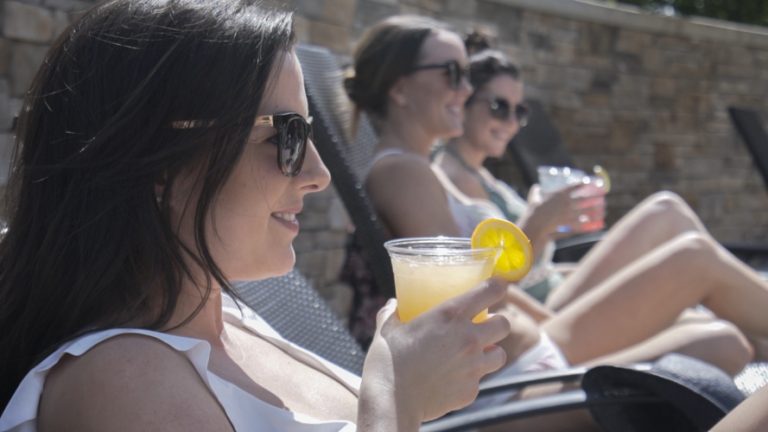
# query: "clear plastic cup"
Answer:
x=592 y=205
x=431 y=270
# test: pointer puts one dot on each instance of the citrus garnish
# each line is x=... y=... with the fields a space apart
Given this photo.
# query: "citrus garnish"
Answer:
x=603 y=174
x=515 y=251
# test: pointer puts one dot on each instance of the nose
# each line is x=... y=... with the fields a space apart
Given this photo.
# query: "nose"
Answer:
x=314 y=175
x=513 y=125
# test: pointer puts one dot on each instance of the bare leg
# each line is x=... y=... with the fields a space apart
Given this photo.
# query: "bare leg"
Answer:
x=651 y=223
x=749 y=416
x=647 y=296
x=717 y=342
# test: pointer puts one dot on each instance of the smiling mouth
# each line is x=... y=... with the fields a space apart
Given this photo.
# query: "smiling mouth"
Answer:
x=288 y=217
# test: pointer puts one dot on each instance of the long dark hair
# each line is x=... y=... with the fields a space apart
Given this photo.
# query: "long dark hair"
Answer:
x=90 y=244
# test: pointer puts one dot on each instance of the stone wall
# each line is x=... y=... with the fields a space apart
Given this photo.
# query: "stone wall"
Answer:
x=642 y=95
x=28 y=28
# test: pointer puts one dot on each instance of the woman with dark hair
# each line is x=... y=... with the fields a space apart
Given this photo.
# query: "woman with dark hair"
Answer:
x=144 y=180
x=631 y=316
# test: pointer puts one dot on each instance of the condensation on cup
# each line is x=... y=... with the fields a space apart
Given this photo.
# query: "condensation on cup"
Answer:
x=592 y=205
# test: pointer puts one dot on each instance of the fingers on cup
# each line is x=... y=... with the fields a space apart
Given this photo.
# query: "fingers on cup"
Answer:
x=386 y=312
x=474 y=301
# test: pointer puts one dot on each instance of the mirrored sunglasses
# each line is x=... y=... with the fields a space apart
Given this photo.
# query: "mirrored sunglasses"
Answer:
x=293 y=132
x=453 y=70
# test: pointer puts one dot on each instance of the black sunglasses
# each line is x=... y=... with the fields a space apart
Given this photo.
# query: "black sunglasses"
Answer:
x=453 y=69
x=293 y=134
x=501 y=109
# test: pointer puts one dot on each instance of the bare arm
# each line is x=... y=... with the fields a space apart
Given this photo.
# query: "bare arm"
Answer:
x=126 y=384
x=409 y=197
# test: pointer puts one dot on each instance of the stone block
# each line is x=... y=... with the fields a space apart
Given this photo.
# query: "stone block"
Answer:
x=25 y=61
x=334 y=259
x=60 y=22
x=310 y=8
x=426 y=6
x=578 y=79
x=368 y=12
x=340 y=12
x=507 y=18
x=7 y=111
x=75 y=6
x=301 y=27
x=304 y=242
x=27 y=23
x=5 y=56
x=635 y=42
x=664 y=157
x=332 y=36
x=313 y=221
x=338 y=218
x=463 y=8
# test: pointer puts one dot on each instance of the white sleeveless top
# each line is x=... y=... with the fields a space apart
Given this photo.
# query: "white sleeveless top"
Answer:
x=245 y=411
x=464 y=216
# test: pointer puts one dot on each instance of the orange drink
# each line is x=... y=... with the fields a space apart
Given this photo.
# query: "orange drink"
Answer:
x=431 y=270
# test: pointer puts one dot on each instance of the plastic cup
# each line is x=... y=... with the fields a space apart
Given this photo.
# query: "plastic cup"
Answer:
x=555 y=178
x=592 y=194
x=431 y=270
x=592 y=205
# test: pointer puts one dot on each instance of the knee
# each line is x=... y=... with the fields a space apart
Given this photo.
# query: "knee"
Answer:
x=736 y=351
x=692 y=246
x=668 y=202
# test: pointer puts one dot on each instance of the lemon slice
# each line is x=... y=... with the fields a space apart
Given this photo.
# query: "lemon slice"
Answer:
x=603 y=174
x=516 y=254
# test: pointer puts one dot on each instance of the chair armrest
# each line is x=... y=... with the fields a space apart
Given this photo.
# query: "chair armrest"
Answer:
x=509 y=411
x=572 y=249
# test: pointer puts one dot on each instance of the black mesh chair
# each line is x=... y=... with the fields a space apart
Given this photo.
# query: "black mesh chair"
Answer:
x=538 y=143
x=292 y=306
x=347 y=161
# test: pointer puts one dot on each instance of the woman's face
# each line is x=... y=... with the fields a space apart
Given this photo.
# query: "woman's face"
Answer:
x=253 y=219
x=482 y=130
x=427 y=94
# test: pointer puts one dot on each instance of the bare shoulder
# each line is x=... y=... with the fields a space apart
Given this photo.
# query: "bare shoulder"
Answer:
x=409 y=197
x=128 y=383
x=389 y=174
x=402 y=163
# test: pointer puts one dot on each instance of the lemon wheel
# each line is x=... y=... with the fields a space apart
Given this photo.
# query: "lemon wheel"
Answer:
x=515 y=252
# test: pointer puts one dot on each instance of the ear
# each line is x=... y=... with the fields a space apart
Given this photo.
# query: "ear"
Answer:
x=397 y=93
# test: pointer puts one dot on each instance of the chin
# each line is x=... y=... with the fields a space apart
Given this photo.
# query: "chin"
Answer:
x=272 y=266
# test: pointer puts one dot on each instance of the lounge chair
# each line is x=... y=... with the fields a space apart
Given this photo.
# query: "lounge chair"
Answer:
x=292 y=306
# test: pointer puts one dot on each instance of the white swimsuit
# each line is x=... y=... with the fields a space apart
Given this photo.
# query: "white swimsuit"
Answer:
x=245 y=411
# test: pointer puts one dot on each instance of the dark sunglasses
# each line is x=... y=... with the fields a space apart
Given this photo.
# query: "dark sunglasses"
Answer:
x=453 y=69
x=501 y=109
x=293 y=134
